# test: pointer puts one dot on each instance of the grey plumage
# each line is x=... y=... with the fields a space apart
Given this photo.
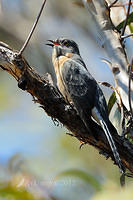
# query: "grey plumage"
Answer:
x=79 y=88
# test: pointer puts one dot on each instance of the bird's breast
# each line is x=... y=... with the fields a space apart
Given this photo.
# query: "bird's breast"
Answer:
x=58 y=65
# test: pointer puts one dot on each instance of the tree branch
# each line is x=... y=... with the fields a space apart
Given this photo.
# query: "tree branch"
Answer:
x=126 y=20
x=110 y=41
x=47 y=95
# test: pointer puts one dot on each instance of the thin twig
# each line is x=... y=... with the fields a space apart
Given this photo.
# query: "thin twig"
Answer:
x=129 y=87
x=121 y=5
x=130 y=175
x=124 y=10
x=112 y=4
x=32 y=30
x=126 y=36
x=125 y=23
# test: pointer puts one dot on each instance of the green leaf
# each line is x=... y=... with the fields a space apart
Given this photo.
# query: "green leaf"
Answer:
x=131 y=27
x=129 y=21
x=10 y=192
x=111 y=101
x=84 y=176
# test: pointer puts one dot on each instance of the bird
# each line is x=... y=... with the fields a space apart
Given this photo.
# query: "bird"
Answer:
x=80 y=89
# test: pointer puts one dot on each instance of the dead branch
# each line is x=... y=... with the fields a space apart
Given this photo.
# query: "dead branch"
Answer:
x=49 y=98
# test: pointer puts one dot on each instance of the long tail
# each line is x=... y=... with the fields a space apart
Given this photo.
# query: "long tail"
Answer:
x=112 y=145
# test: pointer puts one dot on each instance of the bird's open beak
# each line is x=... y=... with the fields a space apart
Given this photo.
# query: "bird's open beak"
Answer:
x=53 y=43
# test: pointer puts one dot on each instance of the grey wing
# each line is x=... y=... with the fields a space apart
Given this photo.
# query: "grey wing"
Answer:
x=80 y=85
x=84 y=91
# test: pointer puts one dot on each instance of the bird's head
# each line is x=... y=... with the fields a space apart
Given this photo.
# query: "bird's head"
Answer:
x=62 y=46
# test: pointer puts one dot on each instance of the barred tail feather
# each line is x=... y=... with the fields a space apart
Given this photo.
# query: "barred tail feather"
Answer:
x=112 y=145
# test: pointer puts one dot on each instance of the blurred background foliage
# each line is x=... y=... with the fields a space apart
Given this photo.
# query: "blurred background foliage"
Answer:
x=37 y=159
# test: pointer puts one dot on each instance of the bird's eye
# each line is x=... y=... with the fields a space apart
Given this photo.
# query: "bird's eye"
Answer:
x=65 y=43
